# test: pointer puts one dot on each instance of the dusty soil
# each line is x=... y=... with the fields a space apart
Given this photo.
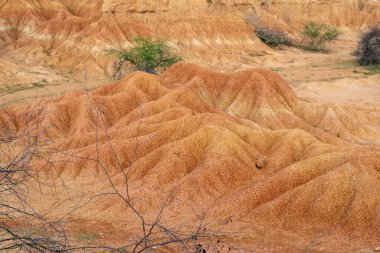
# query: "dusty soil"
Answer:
x=334 y=76
x=24 y=82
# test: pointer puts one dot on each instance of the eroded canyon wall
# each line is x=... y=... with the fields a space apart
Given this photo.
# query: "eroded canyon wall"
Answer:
x=71 y=34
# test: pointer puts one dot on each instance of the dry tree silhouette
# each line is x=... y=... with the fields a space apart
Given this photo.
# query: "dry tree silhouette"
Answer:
x=24 y=229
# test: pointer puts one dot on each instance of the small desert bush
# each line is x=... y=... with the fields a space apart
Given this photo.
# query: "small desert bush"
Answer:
x=272 y=37
x=316 y=35
x=145 y=55
x=369 y=47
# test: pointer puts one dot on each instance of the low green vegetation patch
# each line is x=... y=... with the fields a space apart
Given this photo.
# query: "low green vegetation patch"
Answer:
x=375 y=67
x=146 y=55
x=41 y=83
x=316 y=35
x=372 y=69
x=81 y=236
x=275 y=69
x=20 y=87
x=346 y=65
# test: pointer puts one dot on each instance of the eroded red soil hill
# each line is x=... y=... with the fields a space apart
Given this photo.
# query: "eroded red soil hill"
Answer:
x=241 y=147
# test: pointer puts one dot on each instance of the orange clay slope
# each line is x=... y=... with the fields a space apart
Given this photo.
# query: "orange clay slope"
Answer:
x=196 y=138
x=71 y=35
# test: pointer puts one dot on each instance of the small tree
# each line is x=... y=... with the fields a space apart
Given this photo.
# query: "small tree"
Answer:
x=369 y=47
x=317 y=35
x=146 y=55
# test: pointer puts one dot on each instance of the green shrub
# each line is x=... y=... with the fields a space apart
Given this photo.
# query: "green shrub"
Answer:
x=316 y=35
x=146 y=55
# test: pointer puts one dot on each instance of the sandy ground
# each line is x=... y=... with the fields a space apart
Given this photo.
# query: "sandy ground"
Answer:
x=22 y=82
x=333 y=77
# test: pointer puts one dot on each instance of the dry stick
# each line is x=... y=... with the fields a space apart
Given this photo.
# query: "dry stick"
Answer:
x=30 y=243
x=128 y=201
x=146 y=235
x=18 y=172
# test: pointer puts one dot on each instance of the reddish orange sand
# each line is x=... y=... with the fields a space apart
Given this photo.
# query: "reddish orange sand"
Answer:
x=196 y=139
